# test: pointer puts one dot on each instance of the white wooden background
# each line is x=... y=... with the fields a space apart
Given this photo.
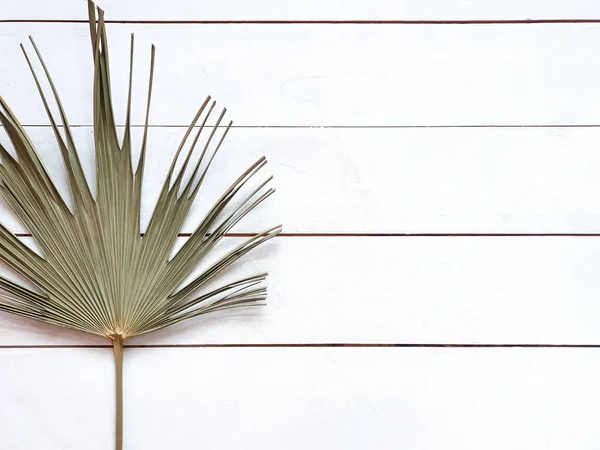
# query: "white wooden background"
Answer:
x=438 y=175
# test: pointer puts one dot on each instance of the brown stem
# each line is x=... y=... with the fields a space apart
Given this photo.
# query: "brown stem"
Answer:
x=118 y=352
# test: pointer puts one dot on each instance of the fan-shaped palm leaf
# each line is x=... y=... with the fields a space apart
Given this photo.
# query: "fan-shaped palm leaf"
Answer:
x=96 y=272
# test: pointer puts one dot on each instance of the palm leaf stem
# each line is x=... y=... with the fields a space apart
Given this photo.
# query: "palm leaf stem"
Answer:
x=118 y=353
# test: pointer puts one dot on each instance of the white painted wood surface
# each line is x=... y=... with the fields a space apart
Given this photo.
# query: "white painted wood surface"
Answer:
x=394 y=290
x=420 y=399
x=306 y=10
x=307 y=74
x=365 y=180
x=334 y=108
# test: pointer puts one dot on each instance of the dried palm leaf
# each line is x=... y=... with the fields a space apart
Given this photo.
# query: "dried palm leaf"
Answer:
x=95 y=271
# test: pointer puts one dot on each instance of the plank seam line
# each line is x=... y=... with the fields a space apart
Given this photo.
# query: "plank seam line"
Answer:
x=317 y=22
x=345 y=126
x=309 y=345
x=343 y=235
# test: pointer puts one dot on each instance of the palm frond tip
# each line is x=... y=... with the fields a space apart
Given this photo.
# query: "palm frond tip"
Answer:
x=97 y=273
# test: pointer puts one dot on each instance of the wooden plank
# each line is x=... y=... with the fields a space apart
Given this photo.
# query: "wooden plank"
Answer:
x=316 y=75
x=387 y=180
x=307 y=10
x=463 y=399
x=394 y=290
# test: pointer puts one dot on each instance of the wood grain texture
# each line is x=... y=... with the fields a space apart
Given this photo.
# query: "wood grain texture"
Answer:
x=386 y=180
x=296 y=399
x=307 y=75
x=307 y=10
x=394 y=290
